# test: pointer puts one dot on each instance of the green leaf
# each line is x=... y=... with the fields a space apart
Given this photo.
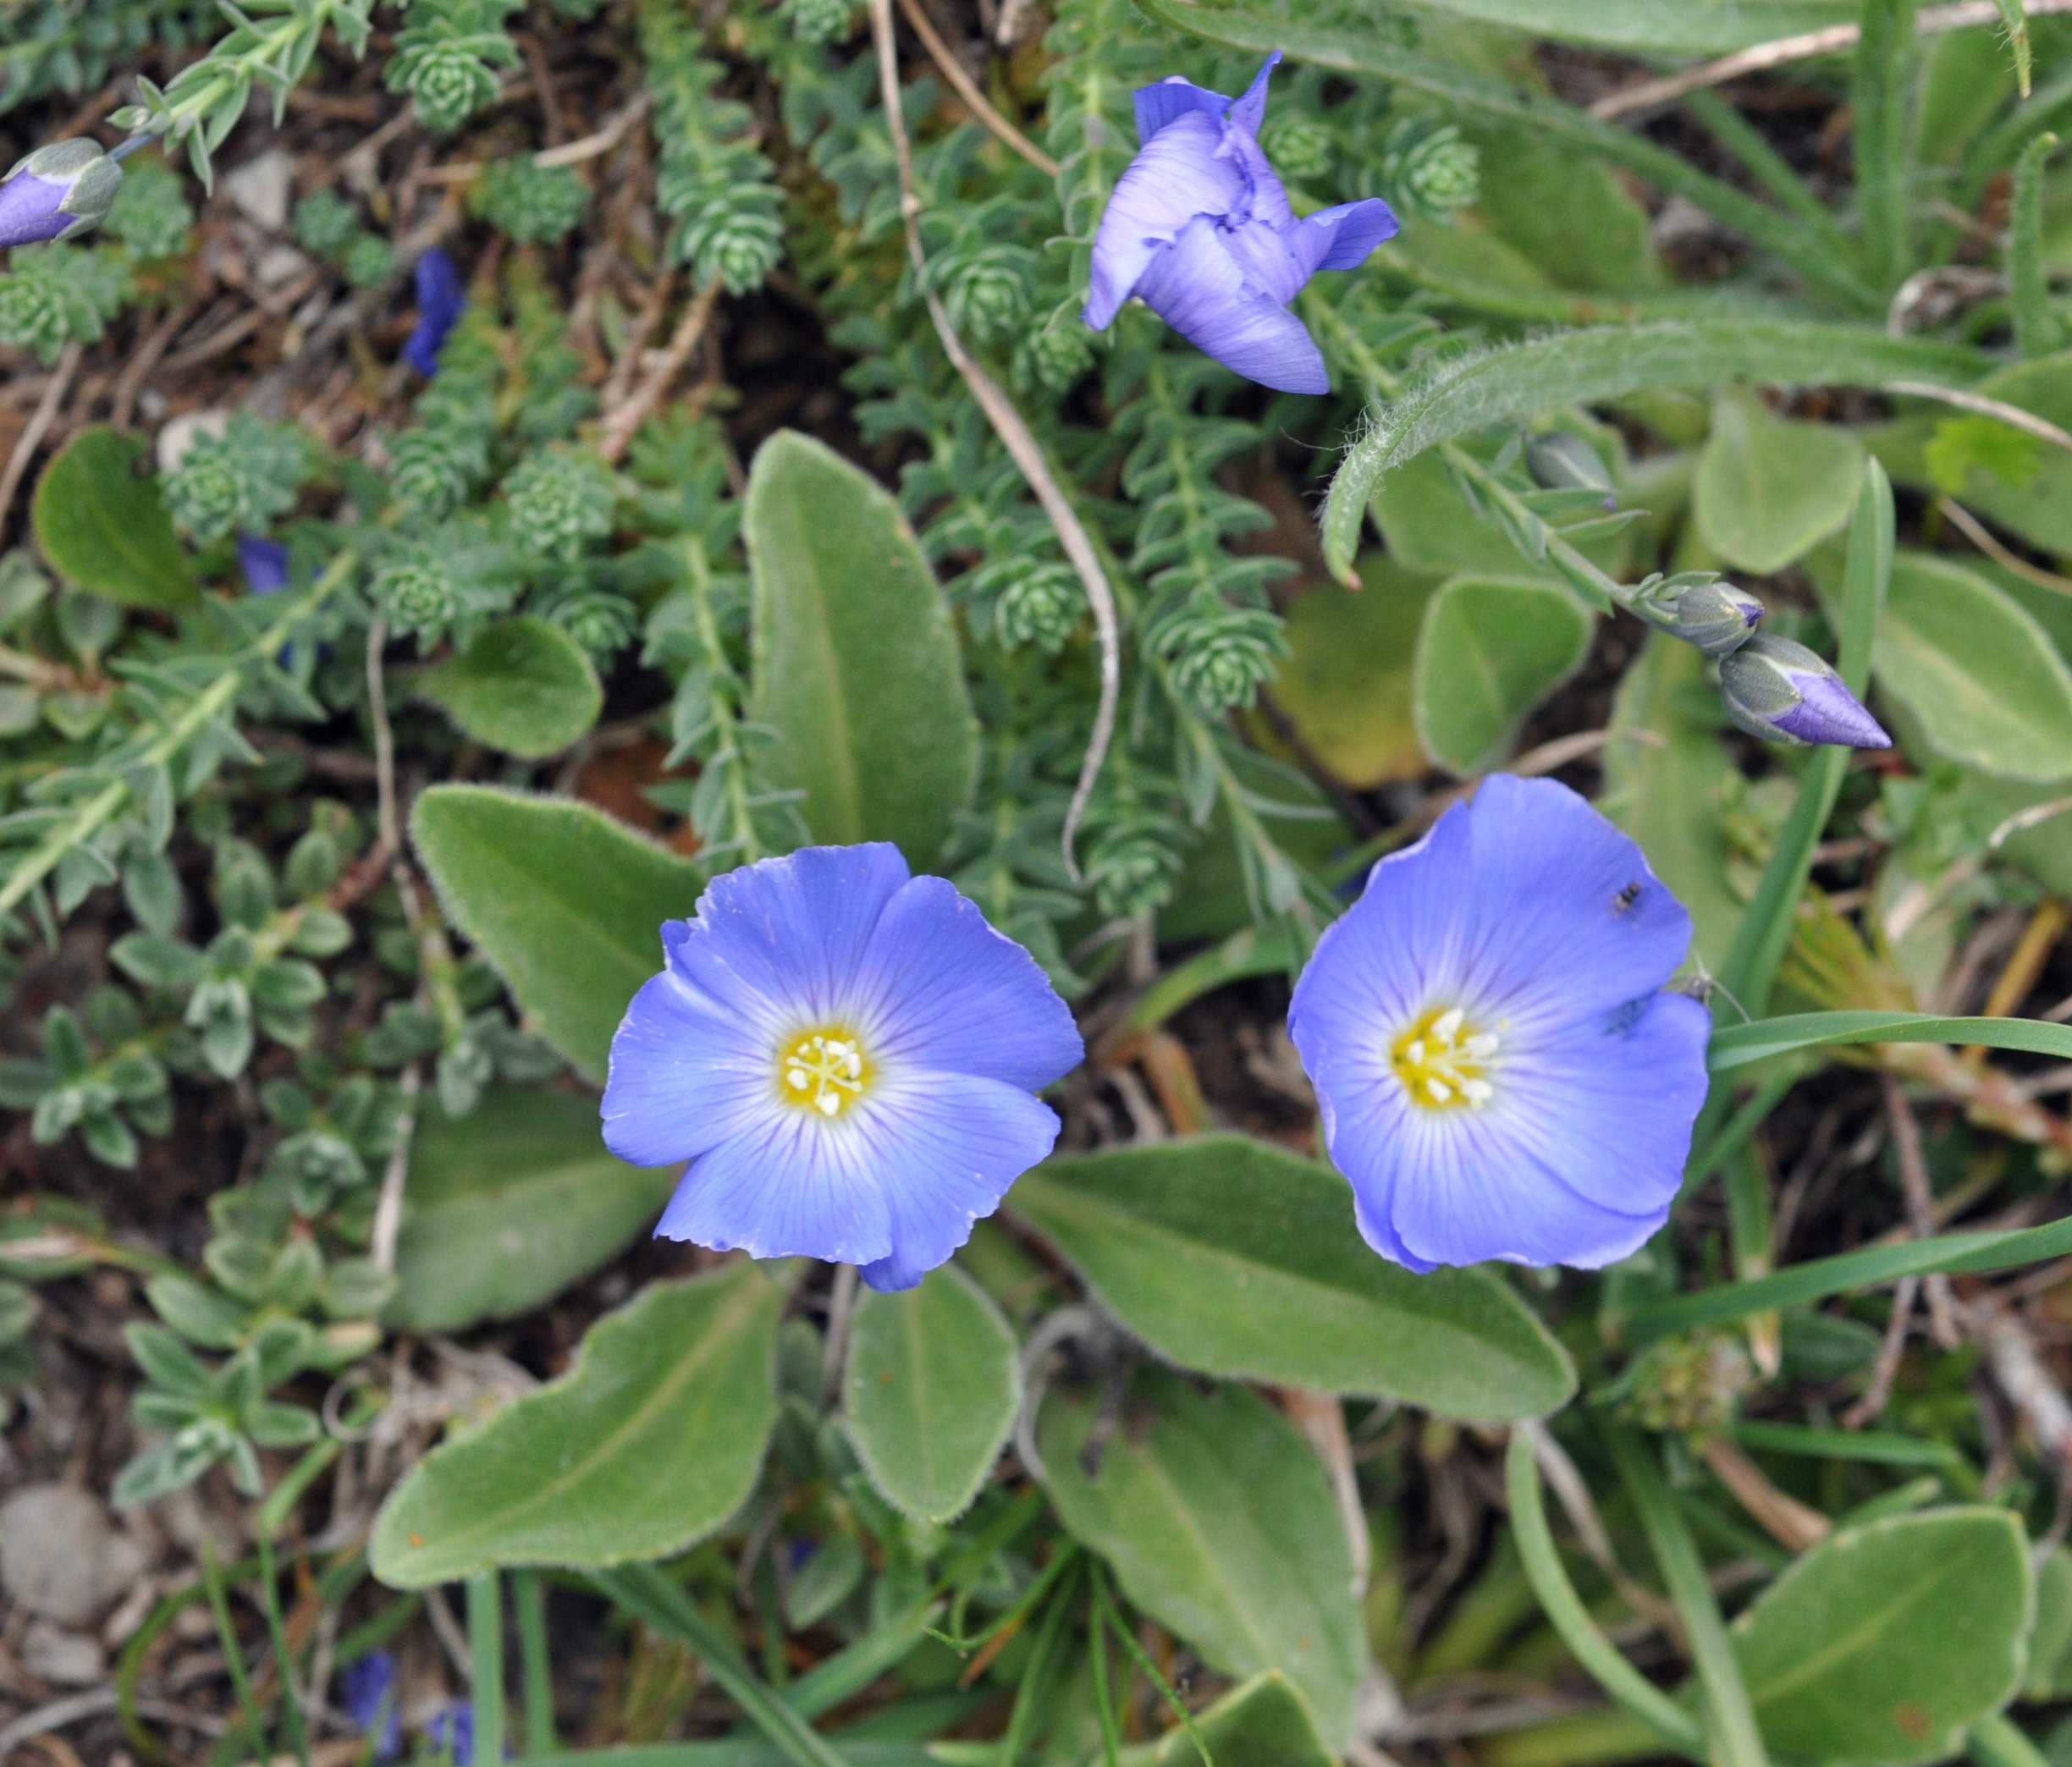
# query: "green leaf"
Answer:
x=508 y=1206
x=566 y=902
x=2035 y=503
x=1974 y=667
x=522 y=686
x=1741 y=1045
x=105 y=527
x=1689 y=27
x=2046 y=1673
x=1221 y=1524
x=857 y=667
x=931 y=1390
x=647 y=1444
x=1572 y=217
x=1490 y=652
x=1234 y=1257
x=2036 y=328
x=1886 y=1641
x=1462 y=393
x=1345 y=685
x=1430 y=526
x=2015 y=19
x=1265 y=1723
x=1666 y=780
x=1768 y=489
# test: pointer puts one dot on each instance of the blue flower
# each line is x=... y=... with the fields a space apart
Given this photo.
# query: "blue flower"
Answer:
x=441 y=298
x=264 y=563
x=451 y=1734
x=846 y=1054
x=65 y=188
x=1200 y=229
x=367 y=1693
x=1499 y=1070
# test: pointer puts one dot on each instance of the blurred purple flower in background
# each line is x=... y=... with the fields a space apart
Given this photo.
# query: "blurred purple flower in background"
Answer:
x=1200 y=229
x=846 y=1054
x=451 y=1735
x=441 y=298
x=1500 y=1073
x=64 y=188
x=1778 y=690
x=367 y=1695
x=264 y=563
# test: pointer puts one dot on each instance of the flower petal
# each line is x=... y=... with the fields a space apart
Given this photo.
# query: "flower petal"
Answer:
x=1362 y=1143
x=959 y=1143
x=1200 y=291
x=1250 y=110
x=941 y=989
x=1464 y=1194
x=1607 y=1108
x=788 y=1186
x=1176 y=175
x=1339 y=238
x=780 y=941
x=685 y=1073
x=1172 y=97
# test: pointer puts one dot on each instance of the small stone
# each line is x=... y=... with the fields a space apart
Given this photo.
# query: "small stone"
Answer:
x=180 y=433
x=278 y=266
x=260 y=188
x=62 y=1556
x=65 y=1658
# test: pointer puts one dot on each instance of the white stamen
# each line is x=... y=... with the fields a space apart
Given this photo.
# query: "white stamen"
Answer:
x=1439 y=1091
x=796 y=1079
x=1477 y=1091
x=1480 y=1046
x=1449 y=1024
x=1415 y=1054
x=829 y=1104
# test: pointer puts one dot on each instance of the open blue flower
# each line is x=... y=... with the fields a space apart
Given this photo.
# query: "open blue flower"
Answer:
x=1500 y=1073
x=1200 y=229
x=442 y=297
x=846 y=1054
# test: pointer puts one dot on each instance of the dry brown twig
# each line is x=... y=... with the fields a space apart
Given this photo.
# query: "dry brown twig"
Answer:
x=1015 y=437
x=967 y=88
x=640 y=404
x=39 y=425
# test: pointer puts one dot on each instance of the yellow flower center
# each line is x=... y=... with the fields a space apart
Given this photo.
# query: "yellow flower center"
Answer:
x=823 y=1070
x=1443 y=1061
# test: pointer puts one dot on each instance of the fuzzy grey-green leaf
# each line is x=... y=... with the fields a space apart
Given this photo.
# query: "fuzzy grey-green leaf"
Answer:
x=1769 y=489
x=857 y=664
x=1490 y=652
x=1886 y=1641
x=931 y=1390
x=649 y=1443
x=566 y=902
x=1234 y=1257
x=1221 y=1524
x=104 y=526
x=508 y=1206
x=521 y=686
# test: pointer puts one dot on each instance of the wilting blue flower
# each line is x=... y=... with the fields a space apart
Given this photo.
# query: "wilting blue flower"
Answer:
x=451 y=1734
x=1200 y=229
x=1782 y=692
x=64 y=188
x=1500 y=1073
x=367 y=1693
x=846 y=1053
x=264 y=563
x=441 y=297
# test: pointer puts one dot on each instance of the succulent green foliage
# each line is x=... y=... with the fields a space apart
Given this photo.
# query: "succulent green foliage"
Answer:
x=241 y=479
x=529 y=201
x=713 y=184
x=449 y=57
x=52 y=296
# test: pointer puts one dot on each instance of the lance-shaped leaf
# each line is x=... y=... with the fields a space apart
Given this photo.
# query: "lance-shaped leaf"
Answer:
x=647 y=1444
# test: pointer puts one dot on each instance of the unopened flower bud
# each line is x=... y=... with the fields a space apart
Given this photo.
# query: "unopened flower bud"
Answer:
x=1715 y=617
x=62 y=189
x=1782 y=692
x=1561 y=461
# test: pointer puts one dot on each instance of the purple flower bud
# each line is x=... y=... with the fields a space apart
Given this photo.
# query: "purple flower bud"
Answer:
x=1561 y=461
x=264 y=563
x=1200 y=229
x=367 y=1693
x=1782 y=692
x=441 y=298
x=62 y=189
x=1717 y=618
